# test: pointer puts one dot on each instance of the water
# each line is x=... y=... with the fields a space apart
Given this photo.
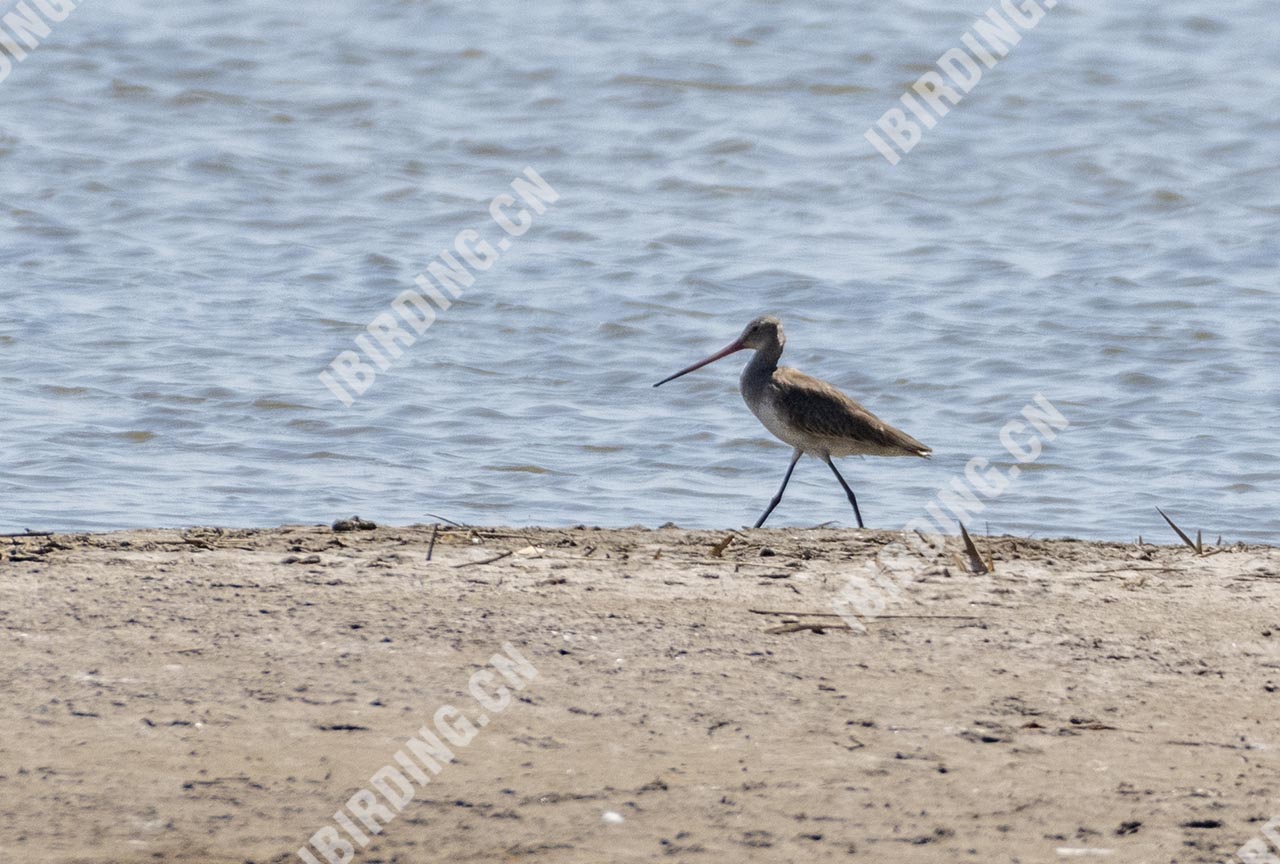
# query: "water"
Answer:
x=202 y=204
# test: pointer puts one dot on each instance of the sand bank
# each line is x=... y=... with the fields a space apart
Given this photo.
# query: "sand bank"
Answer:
x=216 y=696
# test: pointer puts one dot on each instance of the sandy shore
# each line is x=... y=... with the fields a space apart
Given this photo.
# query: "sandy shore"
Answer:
x=215 y=696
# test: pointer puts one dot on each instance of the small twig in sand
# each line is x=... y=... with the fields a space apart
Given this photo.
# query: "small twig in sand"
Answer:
x=836 y=615
x=975 y=560
x=1210 y=744
x=497 y=584
x=820 y=628
x=792 y=612
x=431 y=547
x=1196 y=547
x=29 y=533
x=930 y=617
x=718 y=549
x=482 y=533
x=497 y=557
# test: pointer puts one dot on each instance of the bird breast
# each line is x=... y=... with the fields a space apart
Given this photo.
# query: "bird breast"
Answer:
x=762 y=405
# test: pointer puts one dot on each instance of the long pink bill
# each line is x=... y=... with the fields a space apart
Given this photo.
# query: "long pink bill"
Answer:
x=725 y=352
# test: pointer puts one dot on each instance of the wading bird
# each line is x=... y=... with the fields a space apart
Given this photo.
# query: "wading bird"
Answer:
x=810 y=415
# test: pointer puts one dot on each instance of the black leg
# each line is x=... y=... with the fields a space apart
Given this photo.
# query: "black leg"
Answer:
x=852 y=499
x=781 y=489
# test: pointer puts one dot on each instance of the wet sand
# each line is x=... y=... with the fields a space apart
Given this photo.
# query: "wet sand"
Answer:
x=215 y=696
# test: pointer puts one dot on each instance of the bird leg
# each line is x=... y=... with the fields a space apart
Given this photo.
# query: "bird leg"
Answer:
x=785 y=480
x=852 y=499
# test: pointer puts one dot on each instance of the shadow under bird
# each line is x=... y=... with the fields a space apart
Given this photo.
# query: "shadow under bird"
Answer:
x=809 y=414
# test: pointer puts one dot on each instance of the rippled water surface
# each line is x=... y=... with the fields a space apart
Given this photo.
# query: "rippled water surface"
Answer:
x=201 y=204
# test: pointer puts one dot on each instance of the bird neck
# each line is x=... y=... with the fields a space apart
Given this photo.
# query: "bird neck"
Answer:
x=762 y=366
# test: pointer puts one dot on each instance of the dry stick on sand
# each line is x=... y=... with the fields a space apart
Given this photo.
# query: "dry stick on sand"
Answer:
x=1179 y=531
x=450 y=521
x=975 y=559
x=497 y=557
x=819 y=627
x=717 y=550
x=1135 y=569
x=822 y=626
x=431 y=547
x=492 y=535
x=837 y=615
x=1196 y=547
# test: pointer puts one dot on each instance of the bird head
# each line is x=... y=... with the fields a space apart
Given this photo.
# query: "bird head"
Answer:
x=760 y=333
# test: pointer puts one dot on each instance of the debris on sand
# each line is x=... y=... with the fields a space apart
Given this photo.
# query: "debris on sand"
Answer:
x=355 y=523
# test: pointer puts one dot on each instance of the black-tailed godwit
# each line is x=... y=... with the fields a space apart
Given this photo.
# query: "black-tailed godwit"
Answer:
x=809 y=414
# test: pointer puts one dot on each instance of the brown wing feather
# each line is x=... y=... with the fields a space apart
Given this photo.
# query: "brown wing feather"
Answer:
x=816 y=408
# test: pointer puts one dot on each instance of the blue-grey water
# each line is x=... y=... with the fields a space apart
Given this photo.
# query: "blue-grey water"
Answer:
x=202 y=204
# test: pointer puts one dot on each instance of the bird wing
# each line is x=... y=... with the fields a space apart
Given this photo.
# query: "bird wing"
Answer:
x=816 y=408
